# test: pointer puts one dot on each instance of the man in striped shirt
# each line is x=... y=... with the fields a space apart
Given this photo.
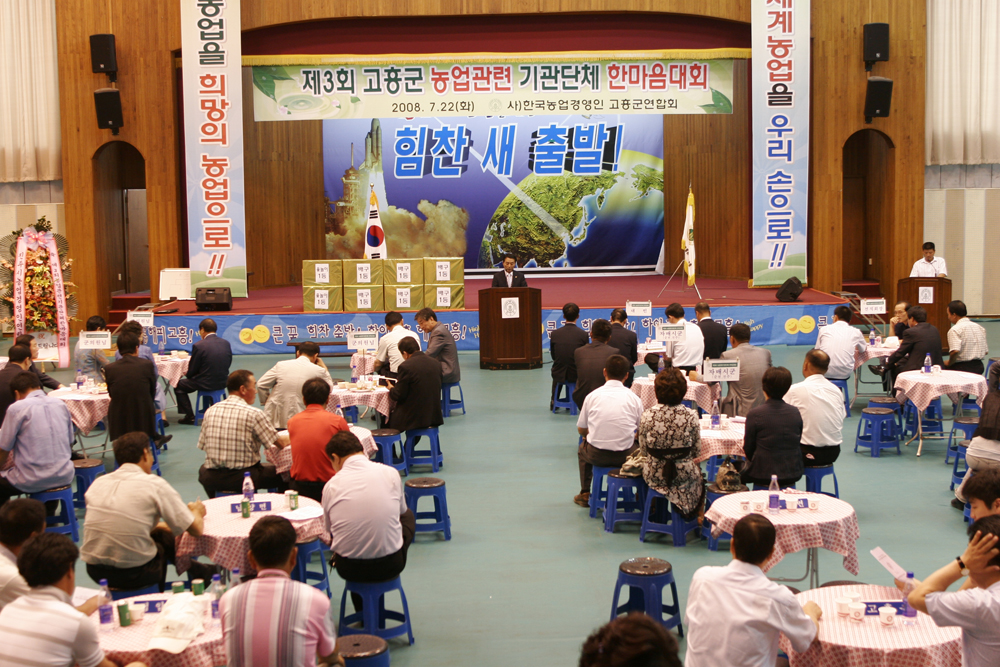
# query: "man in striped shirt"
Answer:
x=272 y=620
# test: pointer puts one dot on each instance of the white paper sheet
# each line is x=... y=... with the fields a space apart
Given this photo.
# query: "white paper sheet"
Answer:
x=888 y=563
x=303 y=513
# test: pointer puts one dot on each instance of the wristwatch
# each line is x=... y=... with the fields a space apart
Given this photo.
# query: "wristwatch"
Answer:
x=961 y=566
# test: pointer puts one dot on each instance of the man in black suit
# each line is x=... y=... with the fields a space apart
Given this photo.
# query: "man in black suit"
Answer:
x=509 y=277
x=28 y=341
x=132 y=389
x=625 y=341
x=716 y=336
x=563 y=343
x=208 y=369
x=919 y=340
x=18 y=361
x=416 y=390
x=590 y=360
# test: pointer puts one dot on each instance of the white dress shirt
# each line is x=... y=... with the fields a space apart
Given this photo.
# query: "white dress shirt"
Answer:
x=611 y=415
x=977 y=612
x=821 y=404
x=361 y=508
x=924 y=269
x=388 y=346
x=839 y=340
x=735 y=614
x=968 y=339
x=691 y=350
x=12 y=584
x=280 y=389
x=43 y=629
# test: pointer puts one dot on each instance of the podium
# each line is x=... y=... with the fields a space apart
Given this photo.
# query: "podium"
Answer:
x=510 y=328
x=939 y=292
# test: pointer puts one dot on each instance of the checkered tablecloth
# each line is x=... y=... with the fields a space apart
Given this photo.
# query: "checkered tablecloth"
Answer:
x=378 y=399
x=126 y=645
x=922 y=388
x=224 y=539
x=872 y=352
x=364 y=364
x=84 y=409
x=724 y=442
x=700 y=393
x=282 y=458
x=834 y=526
x=642 y=350
x=171 y=369
x=846 y=643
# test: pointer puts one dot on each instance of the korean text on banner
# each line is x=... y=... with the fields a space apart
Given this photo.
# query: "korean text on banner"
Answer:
x=780 y=107
x=213 y=131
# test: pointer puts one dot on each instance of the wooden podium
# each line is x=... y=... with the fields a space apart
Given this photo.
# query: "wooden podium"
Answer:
x=908 y=289
x=507 y=341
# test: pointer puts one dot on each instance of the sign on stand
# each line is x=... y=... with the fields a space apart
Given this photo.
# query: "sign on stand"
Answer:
x=143 y=317
x=873 y=306
x=639 y=308
x=95 y=340
x=362 y=340
x=721 y=370
x=670 y=332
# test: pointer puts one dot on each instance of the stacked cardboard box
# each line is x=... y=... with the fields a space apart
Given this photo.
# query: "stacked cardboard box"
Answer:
x=404 y=284
x=444 y=283
x=363 y=279
x=322 y=285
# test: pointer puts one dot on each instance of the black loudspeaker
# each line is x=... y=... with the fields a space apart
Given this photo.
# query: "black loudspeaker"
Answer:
x=102 y=55
x=108 y=102
x=877 y=98
x=789 y=290
x=213 y=298
x=876 y=44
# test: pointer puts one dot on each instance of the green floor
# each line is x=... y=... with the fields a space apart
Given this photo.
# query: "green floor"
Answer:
x=527 y=575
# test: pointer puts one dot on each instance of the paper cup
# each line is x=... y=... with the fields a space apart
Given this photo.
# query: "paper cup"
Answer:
x=791 y=504
x=856 y=612
x=887 y=615
x=758 y=506
x=651 y=376
x=745 y=506
x=842 y=603
x=813 y=505
x=853 y=597
x=138 y=611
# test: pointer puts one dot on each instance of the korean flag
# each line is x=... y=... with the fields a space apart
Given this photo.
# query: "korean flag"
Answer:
x=374 y=235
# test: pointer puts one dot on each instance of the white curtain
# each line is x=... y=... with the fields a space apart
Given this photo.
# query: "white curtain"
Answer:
x=963 y=82
x=29 y=92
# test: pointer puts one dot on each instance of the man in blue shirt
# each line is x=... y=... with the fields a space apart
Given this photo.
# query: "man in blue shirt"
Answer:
x=38 y=433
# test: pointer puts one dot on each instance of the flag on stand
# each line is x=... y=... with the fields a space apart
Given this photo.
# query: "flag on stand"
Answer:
x=687 y=239
x=374 y=234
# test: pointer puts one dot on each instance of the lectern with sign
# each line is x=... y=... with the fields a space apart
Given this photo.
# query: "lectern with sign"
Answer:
x=510 y=328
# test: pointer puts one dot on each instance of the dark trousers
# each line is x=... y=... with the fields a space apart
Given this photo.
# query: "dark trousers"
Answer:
x=153 y=573
x=184 y=387
x=971 y=366
x=821 y=456
x=590 y=456
x=7 y=490
x=631 y=376
x=308 y=489
x=765 y=483
x=230 y=480
x=369 y=570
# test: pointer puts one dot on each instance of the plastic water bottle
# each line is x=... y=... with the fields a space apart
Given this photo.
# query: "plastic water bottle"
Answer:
x=660 y=365
x=80 y=378
x=716 y=420
x=909 y=613
x=871 y=337
x=354 y=372
x=339 y=412
x=927 y=363
x=234 y=578
x=215 y=592
x=247 y=487
x=106 y=612
x=773 y=501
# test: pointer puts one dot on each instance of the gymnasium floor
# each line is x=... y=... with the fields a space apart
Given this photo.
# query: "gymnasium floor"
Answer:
x=527 y=575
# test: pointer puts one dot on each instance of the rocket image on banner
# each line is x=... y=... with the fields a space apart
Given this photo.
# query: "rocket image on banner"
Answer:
x=374 y=234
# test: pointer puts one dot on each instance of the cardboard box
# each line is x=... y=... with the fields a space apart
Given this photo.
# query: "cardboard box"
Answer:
x=363 y=273
x=331 y=272
x=371 y=297
x=444 y=297
x=414 y=297
x=393 y=269
x=444 y=271
x=313 y=299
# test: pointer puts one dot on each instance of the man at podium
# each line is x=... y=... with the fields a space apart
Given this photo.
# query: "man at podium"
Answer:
x=930 y=266
x=509 y=277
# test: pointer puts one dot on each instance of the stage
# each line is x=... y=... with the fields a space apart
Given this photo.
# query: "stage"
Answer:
x=264 y=322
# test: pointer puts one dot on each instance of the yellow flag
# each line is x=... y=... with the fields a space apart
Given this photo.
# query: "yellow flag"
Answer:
x=687 y=239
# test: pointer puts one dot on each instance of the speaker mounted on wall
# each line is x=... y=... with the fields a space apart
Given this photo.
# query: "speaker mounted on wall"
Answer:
x=103 y=59
x=878 y=98
x=108 y=103
x=876 y=44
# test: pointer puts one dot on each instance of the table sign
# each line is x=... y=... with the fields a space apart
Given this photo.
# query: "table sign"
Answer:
x=402 y=293
x=364 y=274
x=925 y=295
x=322 y=273
x=670 y=332
x=95 y=340
x=721 y=370
x=321 y=299
x=143 y=317
x=873 y=306
x=403 y=276
x=364 y=296
x=639 y=308
x=362 y=340
x=260 y=506
x=443 y=293
x=871 y=608
x=443 y=271
x=510 y=308
x=152 y=606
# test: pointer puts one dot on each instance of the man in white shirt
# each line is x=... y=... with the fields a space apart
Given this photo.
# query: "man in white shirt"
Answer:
x=687 y=353
x=930 y=266
x=839 y=340
x=975 y=607
x=966 y=341
x=388 y=357
x=609 y=419
x=822 y=408
x=735 y=613
x=280 y=389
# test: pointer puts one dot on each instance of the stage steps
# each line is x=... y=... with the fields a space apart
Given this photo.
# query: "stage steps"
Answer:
x=121 y=304
x=866 y=289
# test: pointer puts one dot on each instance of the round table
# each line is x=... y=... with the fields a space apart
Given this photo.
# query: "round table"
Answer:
x=702 y=394
x=282 y=458
x=125 y=645
x=84 y=409
x=171 y=369
x=723 y=442
x=922 y=388
x=846 y=643
x=377 y=398
x=363 y=364
x=224 y=537
x=872 y=352
x=834 y=526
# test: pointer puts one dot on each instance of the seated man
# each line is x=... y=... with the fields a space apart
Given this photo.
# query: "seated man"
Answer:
x=232 y=434
x=773 y=435
x=38 y=433
x=387 y=356
x=417 y=390
x=133 y=519
x=745 y=394
x=625 y=341
x=899 y=319
x=590 y=360
x=919 y=340
x=840 y=340
x=821 y=404
x=132 y=383
x=982 y=491
x=280 y=389
x=687 y=353
x=144 y=352
x=440 y=345
x=271 y=619
x=975 y=608
x=91 y=362
x=208 y=369
x=966 y=341
x=365 y=514
x=608 y=422
x=29 y=342
x=18 y=361
x=308 y=433
x=563 y=343
x=735 y=613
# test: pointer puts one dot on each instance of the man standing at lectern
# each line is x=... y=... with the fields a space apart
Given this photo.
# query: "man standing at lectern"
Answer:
x=930 y=266
x=509 y=277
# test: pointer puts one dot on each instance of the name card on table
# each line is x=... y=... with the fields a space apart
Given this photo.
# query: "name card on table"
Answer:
x=95 y=340
x=800 y=503
x=871 y=608
x=362 y=340
x=873 y=306
x=143 y=317
x=363 y=272
x=152 y=606
x=322 y=273
x=638 y=308
x=721 y=370
x=670 y=332
x=258 y=506
x=403 y=274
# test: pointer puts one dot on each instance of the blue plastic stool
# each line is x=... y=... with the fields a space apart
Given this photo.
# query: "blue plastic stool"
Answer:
x=712 y=494
x=646 y=578
x=566 y=403
x=386 y=439
x=160 y=428
x=877 y=431
x=434 y=488
x=598 y=491
x=814 y=480
x=968 y=426
x=373 y=614
x=892 y=404
x=86 y=471
x=363 y=651
x=156 y=459
x=842 y=385
x=967 y=514
x=968 y=403
x=121 y=594
x=301 y=571
x=629 y=508
x=65 y=521
x=350 y=413
x=207 y=399
x=448 y=403
x=958 y=475
x=430 y=456
x=675 y=525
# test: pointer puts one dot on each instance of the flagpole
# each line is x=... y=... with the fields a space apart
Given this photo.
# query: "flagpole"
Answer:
x=679 y=265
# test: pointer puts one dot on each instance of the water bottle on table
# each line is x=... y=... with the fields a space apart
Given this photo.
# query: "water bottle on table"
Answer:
x=661 y=364
x=234 y=578
x=339 y=412
x=248 y=489
x=773 y=500
x=216 y=592
x=106 y=612
x=871 y=337
x=716 y=419
x=927 y=363
x=354 y=372
x=909 y=613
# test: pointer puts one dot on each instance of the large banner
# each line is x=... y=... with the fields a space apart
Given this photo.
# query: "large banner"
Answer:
x=780 y=109
x=555 y=191
x=466 y=85
x=213 y=143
